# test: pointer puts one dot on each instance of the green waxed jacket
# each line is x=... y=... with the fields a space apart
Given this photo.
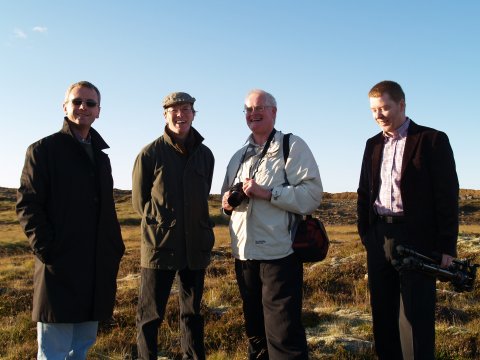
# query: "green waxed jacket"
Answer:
x=170 y=191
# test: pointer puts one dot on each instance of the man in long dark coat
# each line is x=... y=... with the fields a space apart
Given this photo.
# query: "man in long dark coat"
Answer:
x=65 y=206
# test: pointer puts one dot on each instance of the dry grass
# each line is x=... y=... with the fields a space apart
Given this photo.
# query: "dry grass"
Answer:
x=336 y=302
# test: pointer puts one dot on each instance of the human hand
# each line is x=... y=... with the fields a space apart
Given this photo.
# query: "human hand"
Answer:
x=225 y=204
x=446 y=261
x=252 y=189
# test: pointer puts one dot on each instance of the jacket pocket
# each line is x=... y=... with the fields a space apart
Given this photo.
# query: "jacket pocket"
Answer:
x=200 y=171
x=157 y=234
x=208 y=237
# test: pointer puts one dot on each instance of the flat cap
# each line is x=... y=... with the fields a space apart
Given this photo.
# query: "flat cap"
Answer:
x=177 y=98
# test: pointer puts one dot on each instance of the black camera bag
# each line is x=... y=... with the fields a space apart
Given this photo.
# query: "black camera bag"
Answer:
x=310 y=241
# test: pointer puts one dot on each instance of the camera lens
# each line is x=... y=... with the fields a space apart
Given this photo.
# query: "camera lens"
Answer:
x=235 y=198
x=236 y=195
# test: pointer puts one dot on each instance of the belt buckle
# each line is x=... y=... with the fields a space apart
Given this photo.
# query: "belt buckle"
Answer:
x=389 y=219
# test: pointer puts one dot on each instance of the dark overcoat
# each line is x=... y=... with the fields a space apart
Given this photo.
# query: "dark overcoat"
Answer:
x=428 y=186
x=65 y=206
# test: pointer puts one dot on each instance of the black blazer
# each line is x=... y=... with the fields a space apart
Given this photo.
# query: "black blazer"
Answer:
x=429 y=189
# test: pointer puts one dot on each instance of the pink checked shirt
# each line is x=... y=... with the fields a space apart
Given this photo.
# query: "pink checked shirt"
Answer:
x=389 y=200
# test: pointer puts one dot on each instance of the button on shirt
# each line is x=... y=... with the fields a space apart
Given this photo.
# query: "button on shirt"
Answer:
x=389 y=200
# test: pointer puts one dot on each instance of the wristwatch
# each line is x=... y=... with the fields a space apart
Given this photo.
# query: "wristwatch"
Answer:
x=276 y=192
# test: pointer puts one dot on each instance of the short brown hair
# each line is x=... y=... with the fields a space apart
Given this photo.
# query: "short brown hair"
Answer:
x=81 y=84
x=391 y=87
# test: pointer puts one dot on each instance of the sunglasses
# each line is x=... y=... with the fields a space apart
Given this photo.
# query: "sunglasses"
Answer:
x=89 y=103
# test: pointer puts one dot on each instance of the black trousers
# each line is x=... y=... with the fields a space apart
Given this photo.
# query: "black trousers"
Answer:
x=271 y=291
x=403 y=304
x=155 y=289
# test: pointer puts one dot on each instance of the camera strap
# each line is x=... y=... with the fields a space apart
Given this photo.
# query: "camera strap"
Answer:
x=257 y=163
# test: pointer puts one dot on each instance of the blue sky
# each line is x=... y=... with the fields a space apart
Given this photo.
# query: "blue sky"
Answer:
x=318 y=58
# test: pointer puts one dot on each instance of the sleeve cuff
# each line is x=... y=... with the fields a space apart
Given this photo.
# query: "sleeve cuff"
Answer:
x=276 y=192
x=227 y=212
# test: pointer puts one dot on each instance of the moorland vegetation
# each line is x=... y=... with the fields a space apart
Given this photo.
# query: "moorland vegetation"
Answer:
x=336 y=310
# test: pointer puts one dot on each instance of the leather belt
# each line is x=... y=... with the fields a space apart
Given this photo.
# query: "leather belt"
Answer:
x=387 y=219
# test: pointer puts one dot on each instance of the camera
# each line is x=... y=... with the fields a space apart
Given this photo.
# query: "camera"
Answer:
x=236 y=195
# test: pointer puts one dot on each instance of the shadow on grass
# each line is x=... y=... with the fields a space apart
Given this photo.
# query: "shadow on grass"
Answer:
x=9 y=222
x=134 y=221
x=453 y=316
x=14 y=249
x=219 y=219
x=469 y=208
x=130 y=221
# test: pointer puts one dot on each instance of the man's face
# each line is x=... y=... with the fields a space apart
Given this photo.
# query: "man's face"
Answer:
x=260 y=117
x=179 y=119
x=82 y=107
x=388 y=114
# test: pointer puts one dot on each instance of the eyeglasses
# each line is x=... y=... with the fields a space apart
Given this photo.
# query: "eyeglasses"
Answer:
x=182 y=110
x=89 y=103
x=249 y=110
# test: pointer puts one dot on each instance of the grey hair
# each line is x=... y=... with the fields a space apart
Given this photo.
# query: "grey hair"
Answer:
x=269 y=97
x=82 y=84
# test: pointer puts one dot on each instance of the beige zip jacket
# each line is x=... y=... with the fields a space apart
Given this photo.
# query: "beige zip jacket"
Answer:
x=260 y=229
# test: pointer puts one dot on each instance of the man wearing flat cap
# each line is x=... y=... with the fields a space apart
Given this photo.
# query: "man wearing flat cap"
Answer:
x=171 y=184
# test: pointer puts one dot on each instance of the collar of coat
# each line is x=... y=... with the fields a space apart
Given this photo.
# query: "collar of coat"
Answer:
x=255 y=149
x=194 y=139
x=97 y=140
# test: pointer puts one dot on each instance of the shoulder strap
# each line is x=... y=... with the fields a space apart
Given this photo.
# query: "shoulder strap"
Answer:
x=257 y=163
x=286 y=146
x=264 y=151
x=286 y=152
